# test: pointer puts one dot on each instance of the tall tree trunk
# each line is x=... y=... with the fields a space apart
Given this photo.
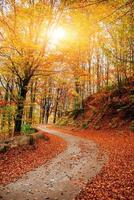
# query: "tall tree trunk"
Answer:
x=89 y=81
x=56 y=106
x=107 y=73
x=19 y=110
x=55 y=112
x=46 y=115
x=98 y=71
x=4 y=108
x=33 y=93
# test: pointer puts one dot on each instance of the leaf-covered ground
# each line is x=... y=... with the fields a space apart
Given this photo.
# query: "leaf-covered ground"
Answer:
x=116 y=179
x=20 y=160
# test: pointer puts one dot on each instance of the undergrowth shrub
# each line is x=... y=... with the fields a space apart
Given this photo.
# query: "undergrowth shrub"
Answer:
x=85 y=125
x=62 y=122
x=77 y=112
x=27 y=129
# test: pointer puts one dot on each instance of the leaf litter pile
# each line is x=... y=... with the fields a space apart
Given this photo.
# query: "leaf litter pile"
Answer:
x=20 y=160
x=116 y=179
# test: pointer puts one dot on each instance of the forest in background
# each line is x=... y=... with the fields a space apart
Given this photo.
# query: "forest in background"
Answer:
x=42 y=78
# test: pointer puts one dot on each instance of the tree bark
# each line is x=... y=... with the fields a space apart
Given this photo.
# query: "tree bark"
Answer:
x=32 y=97
x=19 y=110
x=56 y=106
x=6 y=97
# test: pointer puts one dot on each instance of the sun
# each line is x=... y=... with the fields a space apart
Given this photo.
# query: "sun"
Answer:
x=57 y=35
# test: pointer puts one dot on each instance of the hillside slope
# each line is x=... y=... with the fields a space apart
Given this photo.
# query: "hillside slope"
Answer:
x=107 y=109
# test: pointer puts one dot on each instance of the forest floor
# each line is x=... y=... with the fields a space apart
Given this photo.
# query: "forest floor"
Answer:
x=83 y=179
x=116 y=179
x=63 y=177
x=17 y=161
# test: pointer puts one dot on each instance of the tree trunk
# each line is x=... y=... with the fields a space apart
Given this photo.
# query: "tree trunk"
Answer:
x=6 y=97
x=19 y=110
x=32 y=97
x=56 y=106
x=46 y=115
x=55 y=112
x=98 y=72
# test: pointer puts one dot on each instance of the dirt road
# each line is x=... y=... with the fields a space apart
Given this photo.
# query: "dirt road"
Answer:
x=63 y=177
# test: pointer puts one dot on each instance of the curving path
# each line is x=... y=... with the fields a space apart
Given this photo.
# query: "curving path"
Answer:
x=63 y=177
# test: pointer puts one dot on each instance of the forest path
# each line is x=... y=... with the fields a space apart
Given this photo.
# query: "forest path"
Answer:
x=61 y=178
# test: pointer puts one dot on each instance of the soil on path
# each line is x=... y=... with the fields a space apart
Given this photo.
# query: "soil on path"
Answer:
x=63 y=177
x=116 y=179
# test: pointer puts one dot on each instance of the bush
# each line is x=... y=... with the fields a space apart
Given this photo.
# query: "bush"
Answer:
x=62 y=122
x=76 y=112
x=85 y=125
x=27 y=129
